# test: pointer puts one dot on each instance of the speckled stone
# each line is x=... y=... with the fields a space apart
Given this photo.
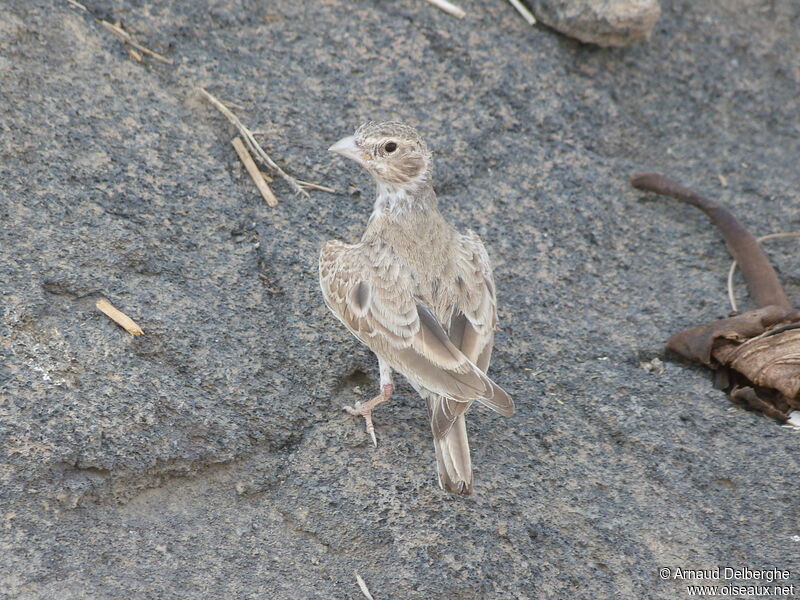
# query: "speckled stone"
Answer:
x=615 y=23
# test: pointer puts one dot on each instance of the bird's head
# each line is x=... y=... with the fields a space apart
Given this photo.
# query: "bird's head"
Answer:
x=392 y=152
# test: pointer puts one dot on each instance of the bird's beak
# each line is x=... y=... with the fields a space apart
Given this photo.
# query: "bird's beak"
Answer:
x=349 y=148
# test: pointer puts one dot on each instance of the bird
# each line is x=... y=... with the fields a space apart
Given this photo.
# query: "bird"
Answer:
x=418 y=293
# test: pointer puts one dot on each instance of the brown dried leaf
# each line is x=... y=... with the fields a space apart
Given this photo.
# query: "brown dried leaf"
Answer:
x=698 y=343
x=756 y=355
x=771 y=360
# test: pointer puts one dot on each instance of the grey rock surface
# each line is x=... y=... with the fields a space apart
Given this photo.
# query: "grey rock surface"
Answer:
x=210 y=457
x=611 y=23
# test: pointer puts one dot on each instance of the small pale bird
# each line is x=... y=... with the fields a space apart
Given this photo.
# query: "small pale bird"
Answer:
x=418 y=293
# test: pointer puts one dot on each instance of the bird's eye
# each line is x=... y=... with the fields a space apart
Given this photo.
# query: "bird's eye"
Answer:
x=390 y=147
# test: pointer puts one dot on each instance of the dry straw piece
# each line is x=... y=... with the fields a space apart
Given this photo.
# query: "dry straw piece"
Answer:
x=126 y=37
x=523 y=10
x=364 y=589
x=304 y=184
x=253 y=171
x=119 y=317
x=251 y=142
x=78 y=5
x=448 y=7
x=316 y=186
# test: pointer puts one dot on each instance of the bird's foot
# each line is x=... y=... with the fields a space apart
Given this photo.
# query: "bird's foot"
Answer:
x=364 y=409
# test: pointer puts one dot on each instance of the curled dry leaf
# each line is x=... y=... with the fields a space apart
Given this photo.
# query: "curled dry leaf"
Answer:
x=756 y=355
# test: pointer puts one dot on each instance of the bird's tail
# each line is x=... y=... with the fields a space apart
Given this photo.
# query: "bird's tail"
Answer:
x=452 y=458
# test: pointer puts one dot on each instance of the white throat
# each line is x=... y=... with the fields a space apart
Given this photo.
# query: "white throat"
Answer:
x=391 y=199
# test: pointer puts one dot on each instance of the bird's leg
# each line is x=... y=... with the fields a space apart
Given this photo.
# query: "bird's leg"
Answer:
x=364 y=409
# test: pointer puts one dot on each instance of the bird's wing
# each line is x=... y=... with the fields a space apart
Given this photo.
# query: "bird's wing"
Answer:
x=373 y=297
x=475 y=320
x=472 y=328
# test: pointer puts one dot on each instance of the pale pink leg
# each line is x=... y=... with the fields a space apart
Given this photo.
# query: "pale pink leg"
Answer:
x=364 y=409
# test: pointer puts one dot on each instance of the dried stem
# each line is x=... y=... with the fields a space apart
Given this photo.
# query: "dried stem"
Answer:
x=126 y=37
x=316 y=186
x=308 y=185
x=732 y=270
x=254 y=173
x=760 y=276
x=523 y=10
x=448 y=7
x=252 y=144
x=119 y=317
x=364 y=589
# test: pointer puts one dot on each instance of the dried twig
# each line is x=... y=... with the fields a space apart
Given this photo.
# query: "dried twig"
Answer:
x=128 y=39
x=316 y=186
x=448 y=7
x=759 y=274
x=233 y=105
x=253 y=171
x=308 y=185
x=524 y=11
x=119 y=317
x=251 y=142
x=78 y=5
x=732 y=270
x=364 y=588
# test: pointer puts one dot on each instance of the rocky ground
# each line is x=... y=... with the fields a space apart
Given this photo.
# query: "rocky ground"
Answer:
x=210 y=457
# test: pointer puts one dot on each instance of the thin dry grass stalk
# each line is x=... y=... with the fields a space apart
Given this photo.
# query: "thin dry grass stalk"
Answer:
x=253 y=171
x=128 y=39
x=78 y=5
x=316 y=186
x=524 y=11
x=251 y=142
x=119 y=317
x=364 y=589
x=308 y=185
x=448 y=7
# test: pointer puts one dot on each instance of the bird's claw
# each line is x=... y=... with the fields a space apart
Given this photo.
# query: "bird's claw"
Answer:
x=360 y=411
x=364 y=409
